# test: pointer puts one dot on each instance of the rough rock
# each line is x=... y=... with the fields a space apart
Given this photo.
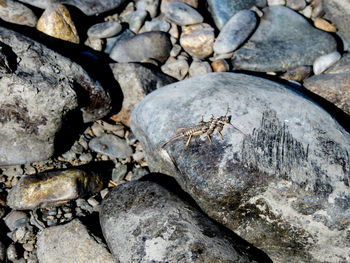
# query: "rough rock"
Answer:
x=135 y=19
x=280 y=176
x=56 y=21
x=177 y=68
x=71 y=243
x=155 y=25
x=160 y=227
x=151 y=6
x=95 y=7
x=136 y=81
x=17 y=13
x=104 y=29
x=52 y=188
x=182 y=14
x=37 y=95
x=283 y=40
x=111 y=145
x=155 y=45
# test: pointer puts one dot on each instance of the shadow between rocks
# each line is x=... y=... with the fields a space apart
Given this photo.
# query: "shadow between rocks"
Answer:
x=241 y=245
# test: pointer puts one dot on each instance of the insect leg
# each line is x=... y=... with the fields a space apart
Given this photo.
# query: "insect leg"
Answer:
x=188 y=141
x=208 y=136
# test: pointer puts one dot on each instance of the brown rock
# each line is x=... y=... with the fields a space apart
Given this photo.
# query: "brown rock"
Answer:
x=324 y=25
x=57 y=22
x=17 y=13
x=193 y=3
x=298 y=74
x=220 y=65
x=198 y=40
x=52 y=188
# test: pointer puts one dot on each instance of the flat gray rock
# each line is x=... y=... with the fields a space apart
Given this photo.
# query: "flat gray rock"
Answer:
x=160 y=227
x=104 y=29
x=280 y=176
x=182 y=14
x=38 y=91
x=283 y=40
x=71 y=243
x=149 y=45
x=17 y=13
x=111 y=145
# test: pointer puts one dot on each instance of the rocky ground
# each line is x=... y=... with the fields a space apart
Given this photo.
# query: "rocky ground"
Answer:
x=92 y=93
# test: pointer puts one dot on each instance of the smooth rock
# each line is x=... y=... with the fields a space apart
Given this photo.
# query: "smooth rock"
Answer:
x=135 y=19
x=17 y=13
x=198 y=40
x=43 y=4
x=276 y=2
x=160 y=227
x=52 y=188
x=95 y=7
x=177 y=68
x=36 y=97
x=199 y=68
x=338 y=12
x=332 y=87
x=136 y=81
x=119 y=173
x=296 y=4
x=15 y=219
x=71 y=243
x=182 y=14
x=151 y=6
x=283 y=40
x=325 y=61
x=155 y=45
x=94 y=43
x=112 y=41
x=343 y=65
x=220 y=65
x=111 y=145
x=164 y=3
x=57 y=22
x=235 y=32
x=222 y=10
x=324 y=25
x=155 y=25
x=298 y=74
x=104 y=29
x=280 y=176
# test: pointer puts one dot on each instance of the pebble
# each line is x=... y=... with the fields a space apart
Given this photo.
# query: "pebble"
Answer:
x=94 y=7
x=155 y=45
x=52 y=188
x=94 y=43
x=317 y=10
x=220 y=65
x=151 y=6
x=177 y=68
x=119 y=173
x=11 y=252
x=182 y=14
x=164 y=3
x=56 y=21
x=235 y=32
x=296 y=4
x=199 y=68
x=112 y=41
x=138 y=156
x=342 y=66
x=324 y=25
x=198 y=40
x=16 y=219
x=17 y=13
x=111 y=145
x=324 y=62
x=155 y=25
x=175 y=50
x=276 y=2
x=104 y=29
x=307 y=11
x=298 y=74
x=135 y=19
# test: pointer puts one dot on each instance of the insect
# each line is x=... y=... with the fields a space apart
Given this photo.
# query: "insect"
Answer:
x=203 y=127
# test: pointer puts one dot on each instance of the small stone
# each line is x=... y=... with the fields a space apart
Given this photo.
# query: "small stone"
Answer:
x=342 y=66
x=52 y=188
x=104 y=29
x=135 y=20
x=164 y=4
x=182 y=14
x=151 y=6
x=69 y=155
x=198 y=40
x=324 y=62
x=57 y=22
x=119 y=173
x=85 y=157
x=174 y=31
x=155 y=25
x=296 y=4
x=317 y=10
x=199 y=68
x=97 y=129
x=220 y=65
x=138 y=156
x=111 y=145
x=28 y=247
x=177 y=69
x=11 y=252
x=324 y=25
x=127 y=10
x=175 y=50
x=112 y=41
x=276 y=2
x=17 y=13
x=307 y=11
x=71 y=243
x=298 y=74
x=93 y=202
x=155 y=45
x=16 y=219
x=235 y=32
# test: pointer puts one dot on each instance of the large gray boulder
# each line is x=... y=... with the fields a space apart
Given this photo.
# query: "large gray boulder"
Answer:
x=39 y=90
x=281 y=182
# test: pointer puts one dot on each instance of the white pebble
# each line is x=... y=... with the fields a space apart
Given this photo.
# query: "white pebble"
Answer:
x=324 y=62
x=276 y=2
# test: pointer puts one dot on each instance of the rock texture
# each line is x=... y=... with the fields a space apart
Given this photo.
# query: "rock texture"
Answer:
x=160 y=227
x=71 y=243
x=94 y=7
x=280 y=176
x=283 y=40
x=39 y=89
x=17 y=13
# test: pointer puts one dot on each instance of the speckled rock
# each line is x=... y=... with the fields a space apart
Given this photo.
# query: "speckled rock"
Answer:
x=94 y=7
x=57 y=22
x=223 y=10
x=71 y=243
x=17 y=13
x=280 y=176
x=136 y=81
x=182 y=14
x=298 y=74
x=283 y=40
x=52 y=188
x=111 y=145
x=235 y=31
x=160 y=227
x=155 y=45
x=104 y=29
x=37 y=93
x=198 y=40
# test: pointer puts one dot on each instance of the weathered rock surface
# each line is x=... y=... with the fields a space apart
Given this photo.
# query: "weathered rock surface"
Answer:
x=160 y=227
x=17 y=13
x=52 y=188
x=38 y=91
x=283 y=40
x=149 y=45
x=71 y=243
x=111 y=145
x=136 y=81
x=282 y=183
